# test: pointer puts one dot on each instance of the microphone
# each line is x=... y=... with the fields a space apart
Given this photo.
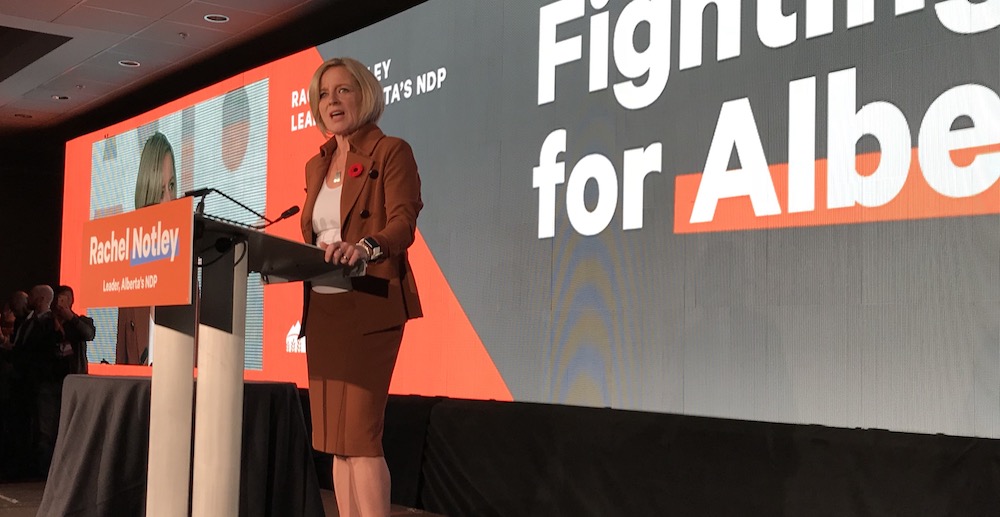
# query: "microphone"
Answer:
x=284 y=215
x=201 y=192
x=288 y=213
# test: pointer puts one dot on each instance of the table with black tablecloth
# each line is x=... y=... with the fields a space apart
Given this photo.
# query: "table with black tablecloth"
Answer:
x=99 y=465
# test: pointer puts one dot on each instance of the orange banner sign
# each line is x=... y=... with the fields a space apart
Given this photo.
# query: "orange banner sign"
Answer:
x=141 y=258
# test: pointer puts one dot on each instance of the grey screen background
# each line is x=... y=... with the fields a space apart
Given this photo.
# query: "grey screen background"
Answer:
x=880 y=325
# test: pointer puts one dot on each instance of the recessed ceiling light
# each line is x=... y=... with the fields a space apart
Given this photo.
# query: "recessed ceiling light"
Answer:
x=22 y=115
x=216 y=18
x=129 y=63
x=60 y=98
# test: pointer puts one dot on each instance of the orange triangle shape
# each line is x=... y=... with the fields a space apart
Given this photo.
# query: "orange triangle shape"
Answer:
x=441 y=353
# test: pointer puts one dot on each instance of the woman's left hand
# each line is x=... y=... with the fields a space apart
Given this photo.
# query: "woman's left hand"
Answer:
x=344 y=253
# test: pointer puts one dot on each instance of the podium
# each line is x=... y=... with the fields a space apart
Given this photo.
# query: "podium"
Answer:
x=216 y=320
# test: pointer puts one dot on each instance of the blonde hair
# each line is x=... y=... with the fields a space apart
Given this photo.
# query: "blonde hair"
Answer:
x=149 y=183
x=372 y=101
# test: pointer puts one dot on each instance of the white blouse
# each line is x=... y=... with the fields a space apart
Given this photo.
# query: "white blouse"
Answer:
x=326 y=223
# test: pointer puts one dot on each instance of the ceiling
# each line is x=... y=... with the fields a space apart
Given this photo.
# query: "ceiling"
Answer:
x=60 y=59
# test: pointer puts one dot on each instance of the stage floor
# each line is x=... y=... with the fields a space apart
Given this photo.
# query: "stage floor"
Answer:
x=23 y=499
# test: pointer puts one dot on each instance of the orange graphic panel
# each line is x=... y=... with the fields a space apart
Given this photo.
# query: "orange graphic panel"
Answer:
x=441 y=353
x=916 y=200
x=139 y=259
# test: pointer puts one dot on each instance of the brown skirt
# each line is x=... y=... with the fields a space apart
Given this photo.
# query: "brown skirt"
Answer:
x=349 y=374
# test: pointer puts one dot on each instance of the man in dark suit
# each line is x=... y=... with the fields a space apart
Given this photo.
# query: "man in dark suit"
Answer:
x=36 y=361
x=75 y=330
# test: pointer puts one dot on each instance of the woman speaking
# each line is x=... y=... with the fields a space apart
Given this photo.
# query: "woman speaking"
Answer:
x=362 y=202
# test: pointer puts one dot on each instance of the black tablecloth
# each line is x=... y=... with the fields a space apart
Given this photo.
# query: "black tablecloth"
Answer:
x=99 y=466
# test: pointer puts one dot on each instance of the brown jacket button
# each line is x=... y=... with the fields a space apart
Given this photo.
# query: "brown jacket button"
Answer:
x=365 y=213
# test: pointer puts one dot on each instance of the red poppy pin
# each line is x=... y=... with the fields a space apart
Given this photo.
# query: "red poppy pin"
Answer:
x=355 y=170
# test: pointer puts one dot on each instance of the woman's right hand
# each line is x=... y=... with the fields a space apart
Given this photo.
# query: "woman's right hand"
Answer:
x=344 y=253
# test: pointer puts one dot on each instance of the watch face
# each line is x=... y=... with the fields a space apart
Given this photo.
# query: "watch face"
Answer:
x=373 y=247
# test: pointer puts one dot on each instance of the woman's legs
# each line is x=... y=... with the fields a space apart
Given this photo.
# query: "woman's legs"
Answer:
x=343 y=486
x=370 y=477
x=362 y=486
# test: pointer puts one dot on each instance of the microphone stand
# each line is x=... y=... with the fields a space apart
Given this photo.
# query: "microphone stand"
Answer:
x=200 y=209
x=241 y=205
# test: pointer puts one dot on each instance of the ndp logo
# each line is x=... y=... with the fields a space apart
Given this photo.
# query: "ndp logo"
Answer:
x=947 y=171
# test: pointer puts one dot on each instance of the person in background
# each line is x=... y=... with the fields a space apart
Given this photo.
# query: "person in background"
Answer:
x=31 y=351
x=37 y=381
x=74 y=331
x=19 y=307
x=362 y=201
x=7 y=320
x=7 y=463
x=155 y=183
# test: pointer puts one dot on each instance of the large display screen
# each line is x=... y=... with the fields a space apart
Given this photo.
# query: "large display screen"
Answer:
x=773 y=210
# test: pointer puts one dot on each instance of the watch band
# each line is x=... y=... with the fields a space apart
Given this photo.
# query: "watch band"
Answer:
x=373 y=248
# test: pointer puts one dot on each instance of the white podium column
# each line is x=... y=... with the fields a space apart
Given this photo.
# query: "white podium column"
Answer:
x=219 y=404
x=169 y=469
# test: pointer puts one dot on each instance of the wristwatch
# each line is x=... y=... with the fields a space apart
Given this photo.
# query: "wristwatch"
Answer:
x=372 y=247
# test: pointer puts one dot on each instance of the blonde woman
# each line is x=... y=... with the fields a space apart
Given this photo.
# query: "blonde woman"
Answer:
x=362 y=202
x=157 y=178
x=155 y=183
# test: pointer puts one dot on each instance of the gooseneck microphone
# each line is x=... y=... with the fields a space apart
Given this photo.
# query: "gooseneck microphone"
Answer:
x=288 y=213
x=284 y=215
x=202 y=192
x=199 y=193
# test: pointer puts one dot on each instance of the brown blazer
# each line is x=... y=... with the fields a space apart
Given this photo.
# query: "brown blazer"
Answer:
x=381 y=202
